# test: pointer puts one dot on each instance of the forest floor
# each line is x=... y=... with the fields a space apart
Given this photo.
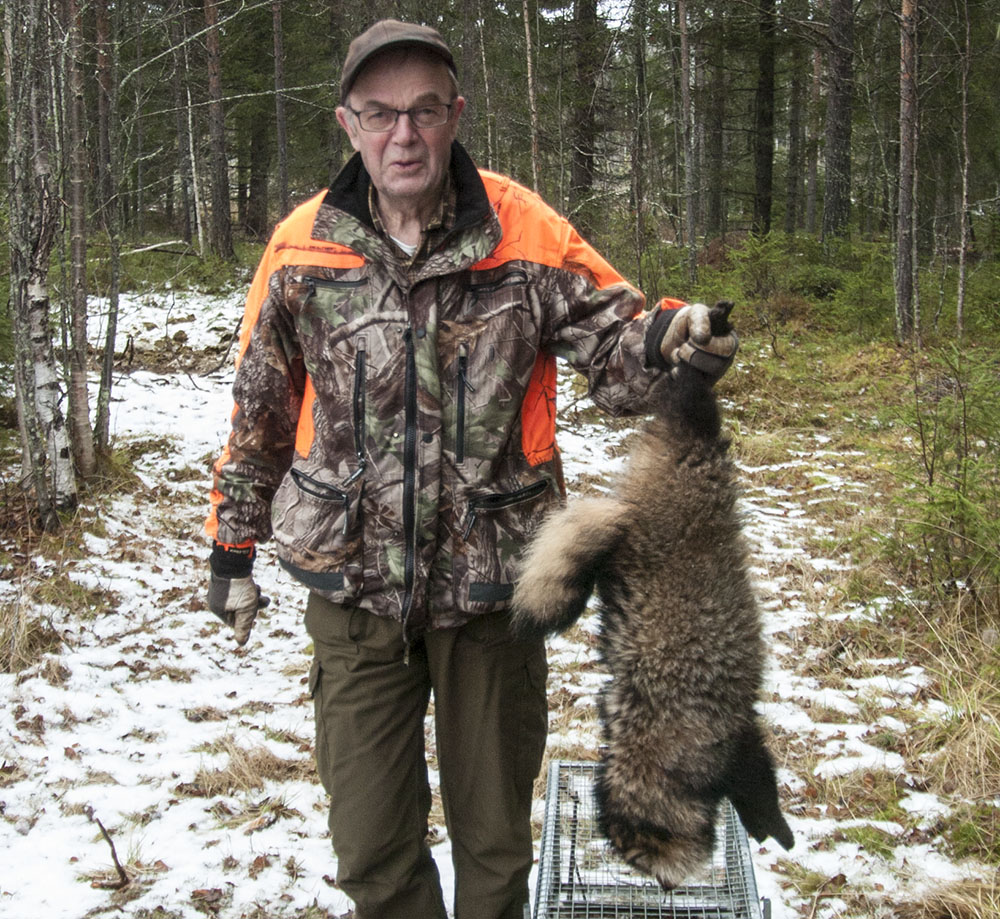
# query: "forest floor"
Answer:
x=149 y=768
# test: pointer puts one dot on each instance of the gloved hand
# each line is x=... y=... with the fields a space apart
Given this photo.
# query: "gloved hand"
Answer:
x=232 y=594
x=701 y=337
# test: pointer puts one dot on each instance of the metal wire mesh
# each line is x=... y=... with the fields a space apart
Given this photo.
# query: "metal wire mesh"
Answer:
x=580 y=877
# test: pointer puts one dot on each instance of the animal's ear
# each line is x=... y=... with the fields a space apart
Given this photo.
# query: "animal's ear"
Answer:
x=718 y=318
x=752 y=787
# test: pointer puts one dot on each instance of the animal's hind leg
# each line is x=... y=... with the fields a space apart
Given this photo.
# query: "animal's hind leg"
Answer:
x=563 y=562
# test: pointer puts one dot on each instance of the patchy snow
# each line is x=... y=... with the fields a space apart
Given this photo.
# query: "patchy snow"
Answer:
x=148 y=698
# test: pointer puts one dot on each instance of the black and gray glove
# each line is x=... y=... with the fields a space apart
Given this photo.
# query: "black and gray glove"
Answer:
x=701 y=337
x=232 y=594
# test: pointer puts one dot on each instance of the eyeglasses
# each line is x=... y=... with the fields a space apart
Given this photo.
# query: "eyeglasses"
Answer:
x=380 y=120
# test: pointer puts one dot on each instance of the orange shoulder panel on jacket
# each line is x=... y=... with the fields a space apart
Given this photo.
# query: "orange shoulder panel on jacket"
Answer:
x=534 y=232
x=291 y=243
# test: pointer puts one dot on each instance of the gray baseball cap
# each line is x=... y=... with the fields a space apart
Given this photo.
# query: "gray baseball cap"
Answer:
x=385 y=34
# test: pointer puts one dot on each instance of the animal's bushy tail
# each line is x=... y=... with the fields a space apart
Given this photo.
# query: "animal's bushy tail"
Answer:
x=565 y=559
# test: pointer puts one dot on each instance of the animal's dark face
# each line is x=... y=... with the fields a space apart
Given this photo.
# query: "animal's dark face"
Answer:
x=669 y=859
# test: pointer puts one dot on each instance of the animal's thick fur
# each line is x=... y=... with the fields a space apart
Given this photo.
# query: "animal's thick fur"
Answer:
x=680 y=635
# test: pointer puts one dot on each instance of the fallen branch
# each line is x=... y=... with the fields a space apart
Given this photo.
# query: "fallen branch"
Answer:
x=123 y=879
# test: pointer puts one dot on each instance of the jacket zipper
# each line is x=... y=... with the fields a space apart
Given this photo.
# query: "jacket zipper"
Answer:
x=463 y=385
x=331 y=283
x=360 y=383
x=409 y=484
x=498 y=500
x=511 y=279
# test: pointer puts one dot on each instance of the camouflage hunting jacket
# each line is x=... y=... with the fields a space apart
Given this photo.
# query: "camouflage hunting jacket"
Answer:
x=394 y=427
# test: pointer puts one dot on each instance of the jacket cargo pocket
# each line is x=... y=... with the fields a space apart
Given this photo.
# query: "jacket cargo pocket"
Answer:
x=494 y=532
x=317 y=527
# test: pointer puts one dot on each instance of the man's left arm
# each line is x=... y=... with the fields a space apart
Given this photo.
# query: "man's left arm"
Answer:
x=599 y=323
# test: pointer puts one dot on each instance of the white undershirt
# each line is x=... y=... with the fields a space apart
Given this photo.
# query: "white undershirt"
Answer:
x=406 y=247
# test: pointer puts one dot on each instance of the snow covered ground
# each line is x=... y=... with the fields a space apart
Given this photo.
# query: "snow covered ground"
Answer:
x=196 y=757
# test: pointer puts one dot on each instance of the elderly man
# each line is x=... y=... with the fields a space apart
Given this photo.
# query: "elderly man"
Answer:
x=394 y=432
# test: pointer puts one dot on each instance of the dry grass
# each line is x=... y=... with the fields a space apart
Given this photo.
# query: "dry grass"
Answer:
x=248 y=770
x=25 y=637
x=966 y=900
x=966 y=757
x=862 y=794
x=258 y=815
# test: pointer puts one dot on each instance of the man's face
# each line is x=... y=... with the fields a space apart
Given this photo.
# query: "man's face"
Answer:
x=407 y=164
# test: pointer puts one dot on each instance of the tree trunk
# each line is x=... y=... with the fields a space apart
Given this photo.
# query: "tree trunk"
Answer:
x=905 y=321
x=139 y=133
x=793 y=179
x=179 y=81
x=257 y=223
x=813 y=142
x=488 y=113
x=109 y=208
x=584 y=116
x=715 y=152
x=837 y=160
x=220 y=236
x=532 y=105
x=764 y=120
x=963 y=212
x=640 y=135
x=687 y=135
x=284 y=202
x=34 y=221
x=81 y=435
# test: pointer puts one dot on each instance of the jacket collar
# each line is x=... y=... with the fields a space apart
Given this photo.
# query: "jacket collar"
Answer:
x=348 y=195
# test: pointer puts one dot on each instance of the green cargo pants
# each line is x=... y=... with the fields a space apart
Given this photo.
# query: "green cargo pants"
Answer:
x=490 y=723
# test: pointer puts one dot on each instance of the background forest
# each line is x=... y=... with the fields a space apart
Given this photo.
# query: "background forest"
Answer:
x=833 y=166
x=861 y=136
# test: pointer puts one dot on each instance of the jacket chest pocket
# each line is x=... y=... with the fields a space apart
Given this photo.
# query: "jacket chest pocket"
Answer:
x=493 y=352
x=340 y=326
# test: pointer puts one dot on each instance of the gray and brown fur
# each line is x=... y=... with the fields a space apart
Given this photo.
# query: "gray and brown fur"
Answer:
x=680 y=634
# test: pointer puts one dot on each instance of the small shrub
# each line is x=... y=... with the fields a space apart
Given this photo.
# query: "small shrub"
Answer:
x=949 y=511
x=863 y=302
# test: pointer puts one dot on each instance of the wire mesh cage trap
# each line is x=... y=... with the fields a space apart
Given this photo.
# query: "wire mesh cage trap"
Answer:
x=580 y=877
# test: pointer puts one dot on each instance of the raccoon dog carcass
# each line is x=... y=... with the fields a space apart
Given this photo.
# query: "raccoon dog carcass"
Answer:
x=680 y=635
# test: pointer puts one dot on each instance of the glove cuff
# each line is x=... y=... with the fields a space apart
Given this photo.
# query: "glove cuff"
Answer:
x=232 y=562
x=654 y=338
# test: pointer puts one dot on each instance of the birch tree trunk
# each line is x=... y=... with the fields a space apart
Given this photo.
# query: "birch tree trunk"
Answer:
x=34 y=220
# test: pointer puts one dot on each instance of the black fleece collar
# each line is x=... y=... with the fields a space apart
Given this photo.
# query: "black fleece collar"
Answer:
x=349 y=191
